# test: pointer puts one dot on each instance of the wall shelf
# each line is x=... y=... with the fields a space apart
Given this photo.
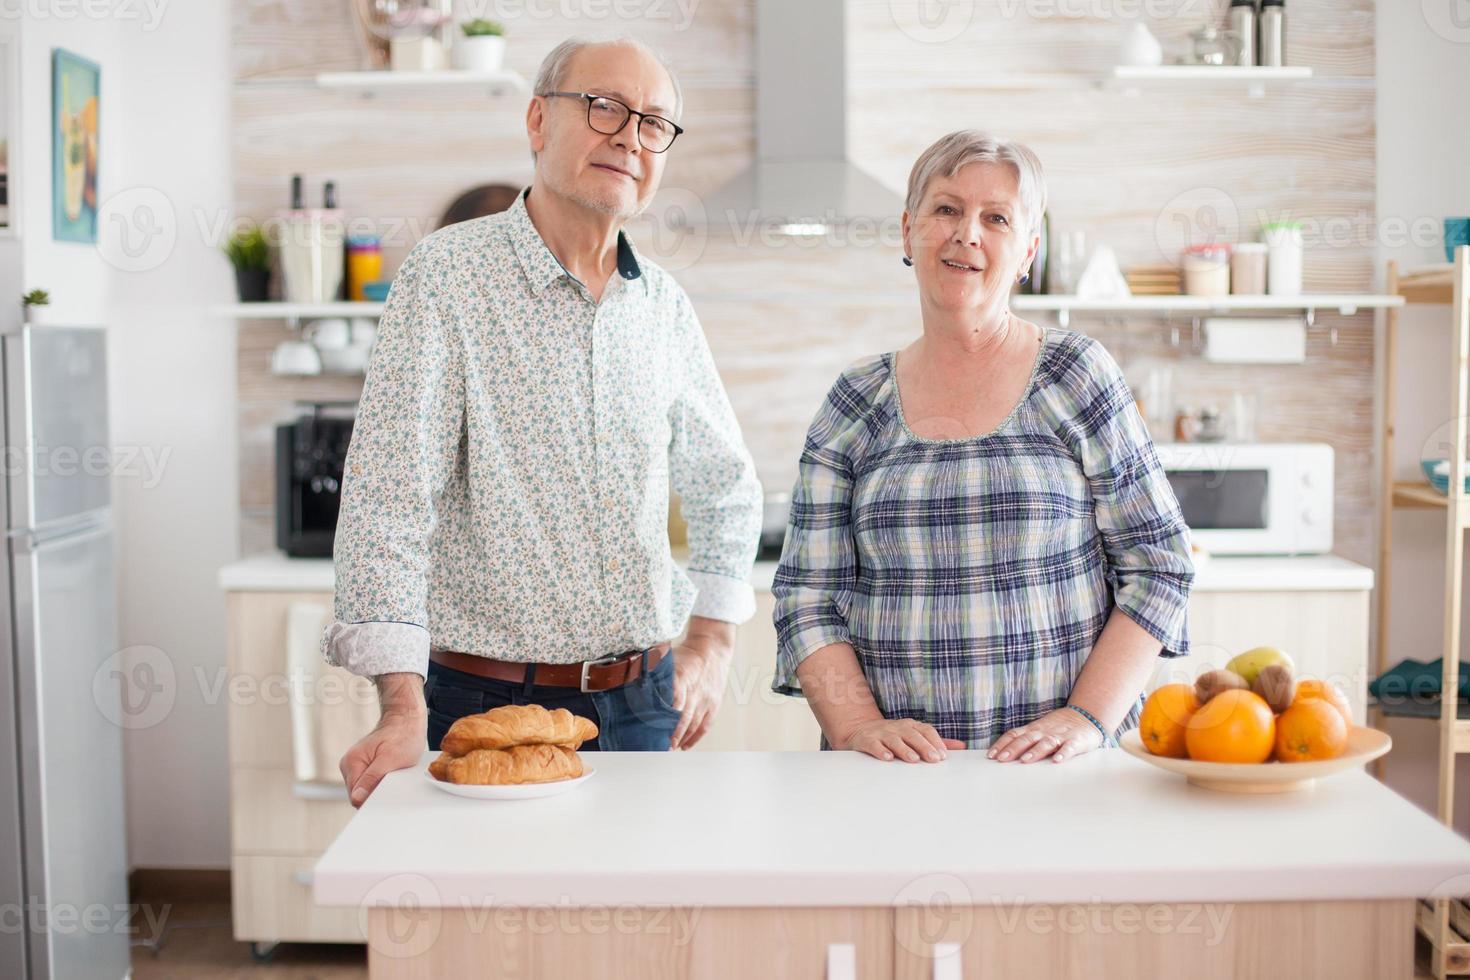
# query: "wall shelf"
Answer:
x=294 y=313
x=1254 y=78
x=1345 y=303
x=370 y=82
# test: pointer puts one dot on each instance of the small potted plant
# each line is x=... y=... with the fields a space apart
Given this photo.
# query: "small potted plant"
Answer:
x=35 y=304
x=482 y=48
x=250 y=254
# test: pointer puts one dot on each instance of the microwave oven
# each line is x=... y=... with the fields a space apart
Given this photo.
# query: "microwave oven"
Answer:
x=1272 y=498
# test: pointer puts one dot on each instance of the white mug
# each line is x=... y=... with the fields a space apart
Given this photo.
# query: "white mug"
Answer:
x=296 y=357
x=331 y=333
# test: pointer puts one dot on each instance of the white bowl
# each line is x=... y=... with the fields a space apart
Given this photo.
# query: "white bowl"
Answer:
x=1363 y=746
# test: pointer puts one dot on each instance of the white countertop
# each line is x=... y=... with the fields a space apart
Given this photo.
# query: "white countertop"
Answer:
x=274 y=572
x=842 y=829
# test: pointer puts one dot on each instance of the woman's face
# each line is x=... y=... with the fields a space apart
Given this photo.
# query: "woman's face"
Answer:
x=967 y=242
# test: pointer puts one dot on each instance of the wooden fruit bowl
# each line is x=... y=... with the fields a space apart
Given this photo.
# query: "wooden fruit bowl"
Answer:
x=1363 y=746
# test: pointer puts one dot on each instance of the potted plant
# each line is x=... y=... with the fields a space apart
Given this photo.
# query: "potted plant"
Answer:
x=482 y=48
x=34 y=305
x=250 y=254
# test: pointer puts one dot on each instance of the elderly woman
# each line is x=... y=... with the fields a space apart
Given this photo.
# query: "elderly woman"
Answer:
x=983 y=549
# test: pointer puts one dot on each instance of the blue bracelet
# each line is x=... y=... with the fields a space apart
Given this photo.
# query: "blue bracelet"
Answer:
x=1107 y=740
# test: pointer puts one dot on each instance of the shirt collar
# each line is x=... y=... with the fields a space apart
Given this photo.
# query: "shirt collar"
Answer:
x=542 y=267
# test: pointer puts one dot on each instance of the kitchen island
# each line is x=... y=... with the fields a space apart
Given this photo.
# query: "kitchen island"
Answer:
x=831 y=864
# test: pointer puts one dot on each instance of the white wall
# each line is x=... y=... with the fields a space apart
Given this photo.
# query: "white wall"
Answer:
x=164 y=164
x=1423 y=175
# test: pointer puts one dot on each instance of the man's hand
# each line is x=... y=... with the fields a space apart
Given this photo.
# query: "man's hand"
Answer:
x=399 y=740
x=701 y=665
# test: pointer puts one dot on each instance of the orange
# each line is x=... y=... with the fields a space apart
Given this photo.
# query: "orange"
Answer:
x=1309 y=730
x=1165 y=713
x=1327 y=691
x=1235 y=726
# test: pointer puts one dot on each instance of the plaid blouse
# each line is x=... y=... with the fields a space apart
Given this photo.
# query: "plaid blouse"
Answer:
x=973 y=576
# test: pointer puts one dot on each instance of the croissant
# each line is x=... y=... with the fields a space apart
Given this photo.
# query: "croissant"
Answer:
x=504 y=767
x=517 y=724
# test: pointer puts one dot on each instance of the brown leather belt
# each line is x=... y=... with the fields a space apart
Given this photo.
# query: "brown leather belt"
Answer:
x=603 y=674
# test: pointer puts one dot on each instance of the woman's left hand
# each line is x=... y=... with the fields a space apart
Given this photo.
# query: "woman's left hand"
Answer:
x=1060 y=734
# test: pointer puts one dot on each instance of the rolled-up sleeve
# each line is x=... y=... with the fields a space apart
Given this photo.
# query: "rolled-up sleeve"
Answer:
x=817 y=570
x=405 y=447
x=713 y=473
x=1150 y=567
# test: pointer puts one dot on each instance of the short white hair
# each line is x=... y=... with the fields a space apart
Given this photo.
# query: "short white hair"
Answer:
x=951 y=153
x=553 y=71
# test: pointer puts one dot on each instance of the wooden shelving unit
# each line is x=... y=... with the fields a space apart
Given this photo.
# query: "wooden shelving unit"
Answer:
x=1445 y=922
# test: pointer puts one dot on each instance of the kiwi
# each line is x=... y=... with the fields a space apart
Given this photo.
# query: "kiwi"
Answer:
x=1276 y=685
x=1215 y=682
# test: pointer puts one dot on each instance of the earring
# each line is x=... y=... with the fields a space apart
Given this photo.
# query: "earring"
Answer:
x=908 y=261
x=1025 y=278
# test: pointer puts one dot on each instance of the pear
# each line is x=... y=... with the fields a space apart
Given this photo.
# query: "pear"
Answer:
x=1249 y=664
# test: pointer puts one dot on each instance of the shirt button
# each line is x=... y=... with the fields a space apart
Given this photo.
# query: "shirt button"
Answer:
x=609 y=503
x=612 y=566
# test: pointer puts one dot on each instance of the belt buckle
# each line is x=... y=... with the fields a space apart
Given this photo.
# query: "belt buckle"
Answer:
x=587 y=665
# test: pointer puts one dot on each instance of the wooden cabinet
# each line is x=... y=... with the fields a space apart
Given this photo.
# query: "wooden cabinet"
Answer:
x=278 y=827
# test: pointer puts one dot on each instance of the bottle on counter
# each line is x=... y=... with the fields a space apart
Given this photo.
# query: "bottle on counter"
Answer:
x=364 y=264
x=1248 y=269
x=1272 y=33
x=1243 y=26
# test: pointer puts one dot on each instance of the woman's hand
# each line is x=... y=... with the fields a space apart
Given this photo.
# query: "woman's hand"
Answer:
x=1060 y=734
x=904 y=738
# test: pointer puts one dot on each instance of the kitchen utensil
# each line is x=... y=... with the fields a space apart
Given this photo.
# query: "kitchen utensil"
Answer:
x=1283 y=258
x=329 y=333
x=1437 y=472
x=1248 y=269
x=1207 y=269
x=1211 y=46
x=521 y=791
x=1139 y=48
x=1242 y=18
x=1271 y=31
x=1456 y=233
x=296 y=357
x=1363 y=746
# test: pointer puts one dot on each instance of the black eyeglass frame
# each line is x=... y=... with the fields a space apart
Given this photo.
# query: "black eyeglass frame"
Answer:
x=590 y=98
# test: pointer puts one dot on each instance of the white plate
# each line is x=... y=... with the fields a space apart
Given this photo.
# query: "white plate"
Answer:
x=1364 y=745
x=519 y=791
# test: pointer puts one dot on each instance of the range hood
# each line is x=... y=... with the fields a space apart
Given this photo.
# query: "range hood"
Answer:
x=802 y=182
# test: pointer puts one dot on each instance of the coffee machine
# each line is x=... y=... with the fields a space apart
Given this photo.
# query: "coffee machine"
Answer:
x=311 y=454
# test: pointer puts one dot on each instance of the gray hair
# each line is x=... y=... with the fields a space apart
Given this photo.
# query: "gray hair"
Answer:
x=552 y=73
x=959 y=149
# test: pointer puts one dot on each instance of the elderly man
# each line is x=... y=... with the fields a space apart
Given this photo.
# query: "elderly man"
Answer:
x=536 y=386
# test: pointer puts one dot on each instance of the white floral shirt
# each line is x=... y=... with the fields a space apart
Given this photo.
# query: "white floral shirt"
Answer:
x=506 y=489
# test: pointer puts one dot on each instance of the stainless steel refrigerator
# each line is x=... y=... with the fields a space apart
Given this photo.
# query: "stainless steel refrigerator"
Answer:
x=63 y=862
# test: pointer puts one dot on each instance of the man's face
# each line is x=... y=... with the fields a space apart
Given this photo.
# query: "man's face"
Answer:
x=610 y=174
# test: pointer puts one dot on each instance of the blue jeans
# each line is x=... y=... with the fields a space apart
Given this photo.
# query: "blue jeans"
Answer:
x=638 y=717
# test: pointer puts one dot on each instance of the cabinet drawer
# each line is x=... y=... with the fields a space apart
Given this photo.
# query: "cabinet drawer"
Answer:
x=267 y=817
x=271 y=898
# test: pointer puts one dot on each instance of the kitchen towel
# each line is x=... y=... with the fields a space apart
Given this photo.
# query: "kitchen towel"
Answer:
x=330 y=707
x=1255 y=340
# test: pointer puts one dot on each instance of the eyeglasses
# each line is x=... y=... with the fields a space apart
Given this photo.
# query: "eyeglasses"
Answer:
x=608 y=116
